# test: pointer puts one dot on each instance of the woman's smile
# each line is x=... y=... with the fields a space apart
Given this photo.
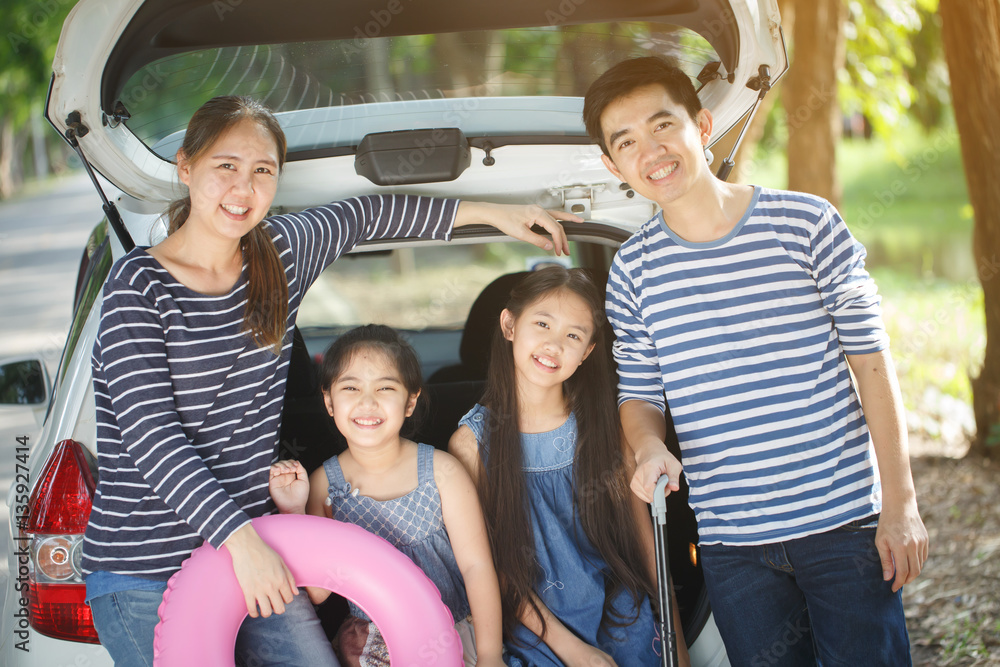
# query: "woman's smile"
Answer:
x=233 y=184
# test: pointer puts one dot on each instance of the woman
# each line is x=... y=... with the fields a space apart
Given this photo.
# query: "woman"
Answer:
x=189 y=368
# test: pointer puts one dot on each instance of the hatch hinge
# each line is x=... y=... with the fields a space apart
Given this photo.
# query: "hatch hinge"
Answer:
x=760 y=82
x=118 y=116
x=710 y=72
x=75 y=129
x=577 y=199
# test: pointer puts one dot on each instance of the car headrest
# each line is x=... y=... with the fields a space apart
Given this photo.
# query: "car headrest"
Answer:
x=484 y=317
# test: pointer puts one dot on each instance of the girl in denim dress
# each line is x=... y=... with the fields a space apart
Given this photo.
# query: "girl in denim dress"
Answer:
x=571 y=543
x=418 y=499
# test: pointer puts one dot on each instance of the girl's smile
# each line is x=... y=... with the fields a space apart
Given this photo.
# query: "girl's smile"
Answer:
x=369 y=401
x=550 y=338
x=546 y=363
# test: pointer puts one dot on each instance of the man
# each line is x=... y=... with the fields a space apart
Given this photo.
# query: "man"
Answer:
x=747 y=309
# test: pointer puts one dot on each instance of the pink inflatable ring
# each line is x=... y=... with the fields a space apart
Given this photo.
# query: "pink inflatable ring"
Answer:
x=203 y=605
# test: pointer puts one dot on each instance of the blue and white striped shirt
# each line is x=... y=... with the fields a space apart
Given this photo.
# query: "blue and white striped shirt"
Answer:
x=745 y=337
x=188 y=407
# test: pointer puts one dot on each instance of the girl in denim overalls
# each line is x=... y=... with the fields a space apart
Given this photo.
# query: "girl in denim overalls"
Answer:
x=409 y=494
x=571 y=543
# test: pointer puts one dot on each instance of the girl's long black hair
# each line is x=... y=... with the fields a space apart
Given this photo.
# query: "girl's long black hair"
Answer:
x=601 y=495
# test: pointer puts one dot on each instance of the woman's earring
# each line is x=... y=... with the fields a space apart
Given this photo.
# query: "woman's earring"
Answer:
x=708 y=155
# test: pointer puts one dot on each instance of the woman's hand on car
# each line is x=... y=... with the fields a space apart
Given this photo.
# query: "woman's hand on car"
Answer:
x=264 y=578
x=516 y=221
x=289 y=487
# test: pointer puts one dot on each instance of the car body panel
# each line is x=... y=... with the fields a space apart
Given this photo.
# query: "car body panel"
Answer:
x=71 y=415
x=552 y=176
x=48 y=652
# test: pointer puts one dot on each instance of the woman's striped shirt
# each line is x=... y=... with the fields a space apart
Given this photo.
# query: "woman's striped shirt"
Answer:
x=188 y=407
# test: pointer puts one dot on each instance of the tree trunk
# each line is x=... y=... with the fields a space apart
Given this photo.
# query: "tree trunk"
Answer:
x=377 y=76
x=39 y=154
x=466 y=63
x=971 y=35
x=8 y=158
x=582 y=59
x=809 y=93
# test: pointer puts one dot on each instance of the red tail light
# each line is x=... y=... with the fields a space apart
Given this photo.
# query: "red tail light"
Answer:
x=58 y=610
x=58 y=510
x=61 y=501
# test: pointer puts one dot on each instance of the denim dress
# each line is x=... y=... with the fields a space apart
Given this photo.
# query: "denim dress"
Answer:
x=412 y=523
x=571 y=571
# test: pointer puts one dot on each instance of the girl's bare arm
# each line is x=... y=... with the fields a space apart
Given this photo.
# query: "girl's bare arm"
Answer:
x=463 y=519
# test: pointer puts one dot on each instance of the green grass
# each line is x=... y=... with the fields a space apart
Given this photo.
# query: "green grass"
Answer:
x=937 y=328
x=970 y=640
x=908 y=202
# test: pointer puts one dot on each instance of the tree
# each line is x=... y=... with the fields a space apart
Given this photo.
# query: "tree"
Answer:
x=809 y=94
x=971 y=32
x=891 y=66
x=29 y=39
x=883 y=64
x=929 y=72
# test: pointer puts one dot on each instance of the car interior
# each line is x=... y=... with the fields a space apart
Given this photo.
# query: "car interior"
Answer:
x=310 y=435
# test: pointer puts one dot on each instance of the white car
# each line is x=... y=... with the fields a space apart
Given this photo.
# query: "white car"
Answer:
x=490 y=94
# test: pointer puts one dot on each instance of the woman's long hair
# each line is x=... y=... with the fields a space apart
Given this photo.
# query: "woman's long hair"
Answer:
x=601 y=495
x=266 y=314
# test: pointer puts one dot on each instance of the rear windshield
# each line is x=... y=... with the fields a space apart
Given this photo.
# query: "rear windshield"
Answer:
x=531 y=78
x=426 y=292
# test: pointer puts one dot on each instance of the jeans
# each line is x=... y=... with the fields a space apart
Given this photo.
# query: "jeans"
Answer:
x=819 y=600
x=126 y=620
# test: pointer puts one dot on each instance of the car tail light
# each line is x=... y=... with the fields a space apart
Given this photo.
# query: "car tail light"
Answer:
x=58 y=511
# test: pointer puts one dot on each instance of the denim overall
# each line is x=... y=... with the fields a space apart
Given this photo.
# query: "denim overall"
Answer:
x=412 y=523
x=571 y=579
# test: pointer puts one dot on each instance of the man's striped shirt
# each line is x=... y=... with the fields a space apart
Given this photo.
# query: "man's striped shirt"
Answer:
x=745 y=337
x=188 y=407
